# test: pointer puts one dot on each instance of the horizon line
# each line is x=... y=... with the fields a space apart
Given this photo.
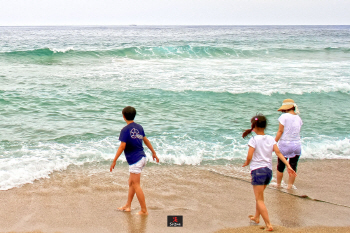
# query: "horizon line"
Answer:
x=166 y=25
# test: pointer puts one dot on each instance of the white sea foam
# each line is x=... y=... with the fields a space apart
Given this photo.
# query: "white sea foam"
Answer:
x=215 y=75
x=30 y=163
x=327 y=149
x=236 y=77
x=61 y=50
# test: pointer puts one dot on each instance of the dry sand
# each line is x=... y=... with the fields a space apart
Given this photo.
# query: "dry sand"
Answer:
x=85 y=199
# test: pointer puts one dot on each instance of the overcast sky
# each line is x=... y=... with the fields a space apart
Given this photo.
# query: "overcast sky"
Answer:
x=174 y=12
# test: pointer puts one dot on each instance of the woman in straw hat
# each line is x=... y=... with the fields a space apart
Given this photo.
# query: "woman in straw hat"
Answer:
x=288 y=138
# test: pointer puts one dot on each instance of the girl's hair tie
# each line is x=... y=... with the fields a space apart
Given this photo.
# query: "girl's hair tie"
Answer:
x=256 y=118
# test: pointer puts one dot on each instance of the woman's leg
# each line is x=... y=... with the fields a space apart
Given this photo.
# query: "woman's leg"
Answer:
x=290 y=182
x=279 y=178
x=293 y=163
x=280 y=168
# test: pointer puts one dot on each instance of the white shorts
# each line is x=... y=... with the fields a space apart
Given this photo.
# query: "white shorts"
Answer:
x=136 y=168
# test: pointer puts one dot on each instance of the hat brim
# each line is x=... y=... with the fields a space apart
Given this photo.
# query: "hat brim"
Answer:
x=285 y=107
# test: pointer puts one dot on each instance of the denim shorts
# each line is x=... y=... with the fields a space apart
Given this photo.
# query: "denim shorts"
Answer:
x=261 y=176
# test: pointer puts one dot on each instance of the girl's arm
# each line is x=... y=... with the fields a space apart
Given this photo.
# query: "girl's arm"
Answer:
x=279 y=132
x=149 y=145
x=119 y=152
x=249 y=156
x=281 y=157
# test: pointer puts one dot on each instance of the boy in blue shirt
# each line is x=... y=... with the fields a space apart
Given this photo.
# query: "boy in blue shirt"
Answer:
x=131 y=138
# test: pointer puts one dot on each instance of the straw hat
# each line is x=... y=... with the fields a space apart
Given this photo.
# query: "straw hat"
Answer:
x=288 y=104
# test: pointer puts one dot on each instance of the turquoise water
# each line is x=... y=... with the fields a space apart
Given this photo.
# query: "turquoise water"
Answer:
x=62 y=90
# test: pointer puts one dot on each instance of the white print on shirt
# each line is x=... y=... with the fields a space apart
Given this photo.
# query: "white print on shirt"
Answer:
x=134 y=133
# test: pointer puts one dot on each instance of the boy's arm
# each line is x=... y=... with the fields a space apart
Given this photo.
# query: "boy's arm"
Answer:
x=149 y=145
x=249 y=156
x=281 y=157
x=119 y=152
x=279 y=132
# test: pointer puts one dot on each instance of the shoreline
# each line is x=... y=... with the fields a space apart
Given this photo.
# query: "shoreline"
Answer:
x=85 y=199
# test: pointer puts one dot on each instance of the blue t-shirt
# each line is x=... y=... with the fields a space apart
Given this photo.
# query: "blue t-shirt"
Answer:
x=132 y=135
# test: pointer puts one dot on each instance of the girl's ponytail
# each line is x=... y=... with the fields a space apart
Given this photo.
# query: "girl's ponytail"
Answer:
x=247 y=132
x=257 y=121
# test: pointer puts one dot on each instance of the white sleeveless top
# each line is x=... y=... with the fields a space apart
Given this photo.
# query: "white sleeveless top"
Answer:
x=292 y=125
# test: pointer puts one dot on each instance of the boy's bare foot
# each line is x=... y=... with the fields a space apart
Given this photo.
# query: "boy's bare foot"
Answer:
x=142 y=213
x=251 y=217
x=125 y=208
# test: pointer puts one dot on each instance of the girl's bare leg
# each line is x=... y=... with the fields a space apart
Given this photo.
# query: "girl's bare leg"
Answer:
x=260 y=205
x=255 y=218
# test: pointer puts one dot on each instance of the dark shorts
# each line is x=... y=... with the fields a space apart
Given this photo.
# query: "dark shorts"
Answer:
x=293 y=162
x=261 y=176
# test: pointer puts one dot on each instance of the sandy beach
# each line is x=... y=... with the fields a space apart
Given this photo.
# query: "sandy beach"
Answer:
x=85 y=199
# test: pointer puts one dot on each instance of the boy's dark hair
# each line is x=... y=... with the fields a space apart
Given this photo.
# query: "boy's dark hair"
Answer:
x=129 y=113
x=257 y=121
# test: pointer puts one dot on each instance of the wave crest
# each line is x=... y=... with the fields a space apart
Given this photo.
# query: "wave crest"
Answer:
x=27 y=163
x=173 y=52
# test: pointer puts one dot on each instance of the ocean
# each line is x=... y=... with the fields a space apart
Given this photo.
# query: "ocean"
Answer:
x=195 y=89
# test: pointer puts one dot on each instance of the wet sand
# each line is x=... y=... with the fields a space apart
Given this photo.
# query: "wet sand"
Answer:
x=85 y=199
x=281 y=229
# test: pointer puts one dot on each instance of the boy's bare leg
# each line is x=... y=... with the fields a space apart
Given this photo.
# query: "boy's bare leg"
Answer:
x=135 y=183
x=260 y=204
x=279 y=178
x=131 y=194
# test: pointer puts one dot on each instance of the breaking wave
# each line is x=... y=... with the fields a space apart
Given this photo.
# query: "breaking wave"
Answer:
x=172 y=52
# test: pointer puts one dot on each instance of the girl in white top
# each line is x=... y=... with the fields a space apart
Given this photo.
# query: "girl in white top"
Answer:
x=288 y=138
x=259 y=157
